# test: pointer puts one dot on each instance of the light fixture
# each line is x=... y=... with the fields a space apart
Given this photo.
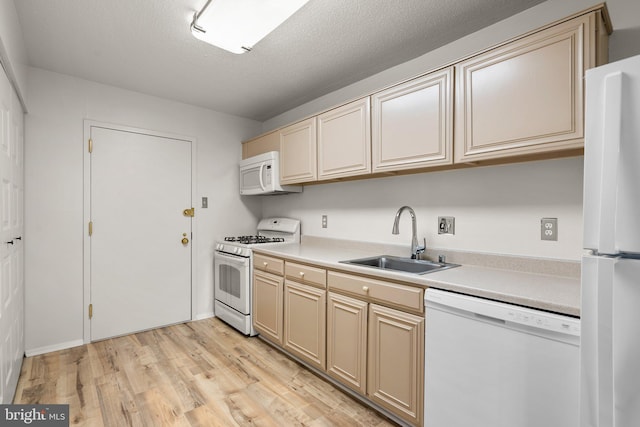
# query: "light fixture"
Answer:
x=237 y=25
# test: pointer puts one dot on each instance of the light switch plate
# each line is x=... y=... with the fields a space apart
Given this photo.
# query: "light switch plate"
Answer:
x=205 y=202
x=446 y=225
x=324 y=221
x=549 y=229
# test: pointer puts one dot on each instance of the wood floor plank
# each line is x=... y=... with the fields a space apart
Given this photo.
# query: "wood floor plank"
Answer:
x=201 y=373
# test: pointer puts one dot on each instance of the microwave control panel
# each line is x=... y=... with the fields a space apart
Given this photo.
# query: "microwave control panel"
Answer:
x=267 y=175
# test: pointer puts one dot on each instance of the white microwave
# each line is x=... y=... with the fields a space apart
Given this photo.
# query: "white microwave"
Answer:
x=261 y=175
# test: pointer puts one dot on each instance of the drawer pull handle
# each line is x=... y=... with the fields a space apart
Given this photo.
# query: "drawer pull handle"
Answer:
x=365 y=288
x=302 y=274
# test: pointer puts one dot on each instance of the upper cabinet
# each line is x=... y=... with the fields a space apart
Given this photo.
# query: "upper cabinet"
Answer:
x=413 y=124
x=260 y=145
x=527 y=96
x=521 y=100
x=344 y=141
x=298 y=152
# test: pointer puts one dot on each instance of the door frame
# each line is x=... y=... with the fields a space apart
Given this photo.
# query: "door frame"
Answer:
x=86 y=214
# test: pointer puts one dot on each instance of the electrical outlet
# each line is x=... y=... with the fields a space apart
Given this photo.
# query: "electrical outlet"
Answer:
x=324 y=221
x=549 y=229
x=446 y=225
x=205 y=202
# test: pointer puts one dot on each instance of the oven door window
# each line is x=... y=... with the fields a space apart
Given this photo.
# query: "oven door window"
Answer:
x=233 y=282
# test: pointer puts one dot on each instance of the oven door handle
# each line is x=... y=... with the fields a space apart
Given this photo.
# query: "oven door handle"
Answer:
x=232 y=258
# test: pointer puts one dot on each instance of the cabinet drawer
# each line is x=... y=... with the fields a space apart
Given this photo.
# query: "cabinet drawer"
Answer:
x=269 y=264
x=384 y=292
x=306 y=274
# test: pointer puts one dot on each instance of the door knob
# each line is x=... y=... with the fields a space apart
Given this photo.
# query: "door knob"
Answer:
x=185 y=240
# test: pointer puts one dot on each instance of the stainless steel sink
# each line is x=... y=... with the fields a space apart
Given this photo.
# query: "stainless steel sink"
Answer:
x=407 y=265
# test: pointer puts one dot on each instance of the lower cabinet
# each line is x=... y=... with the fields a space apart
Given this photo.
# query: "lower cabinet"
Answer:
x=305 y=322
x=347 y=341
x=396 y=367
x=378 y=352
x=343 y=324
x=267 y=305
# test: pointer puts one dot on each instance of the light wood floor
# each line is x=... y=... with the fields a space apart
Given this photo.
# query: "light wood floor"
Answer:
x=196 y=374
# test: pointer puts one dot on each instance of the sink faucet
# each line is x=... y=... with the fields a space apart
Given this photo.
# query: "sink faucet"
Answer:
x=415 y=248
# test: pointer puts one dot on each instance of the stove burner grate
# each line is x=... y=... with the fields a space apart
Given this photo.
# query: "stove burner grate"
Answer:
x=251 y=240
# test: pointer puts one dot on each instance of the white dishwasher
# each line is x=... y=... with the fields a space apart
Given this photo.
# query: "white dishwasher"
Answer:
x=491 y=364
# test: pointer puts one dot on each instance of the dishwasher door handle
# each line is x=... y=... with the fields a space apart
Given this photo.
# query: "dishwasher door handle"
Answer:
x=489 y=319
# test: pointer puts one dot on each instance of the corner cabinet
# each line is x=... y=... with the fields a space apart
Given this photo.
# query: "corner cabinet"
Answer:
x=344 y=141
x=527 y=97
x=298 y=152
x=413 y=124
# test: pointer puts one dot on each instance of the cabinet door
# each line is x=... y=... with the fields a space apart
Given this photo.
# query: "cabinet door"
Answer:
x=396 y=362
x=304 y=322
x=298 y=152
x=526 y=97
x=412 y=124
x=344 y=141
x=267 y=305
x=347 y=341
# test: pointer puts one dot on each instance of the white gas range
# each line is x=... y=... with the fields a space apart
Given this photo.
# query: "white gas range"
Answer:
x=233 y=265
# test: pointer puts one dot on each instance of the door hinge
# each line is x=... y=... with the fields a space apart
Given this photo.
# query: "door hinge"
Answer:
x=90 y=228
x=189 y=212
x=90 y=311
x=90 y=145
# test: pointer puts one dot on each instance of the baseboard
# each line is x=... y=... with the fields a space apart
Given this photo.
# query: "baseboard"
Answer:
x=55 y=347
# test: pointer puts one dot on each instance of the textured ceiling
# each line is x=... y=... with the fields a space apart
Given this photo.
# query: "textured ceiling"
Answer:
x=146 y=46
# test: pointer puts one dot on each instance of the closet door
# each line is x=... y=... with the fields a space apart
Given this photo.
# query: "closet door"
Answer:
x=11 y=239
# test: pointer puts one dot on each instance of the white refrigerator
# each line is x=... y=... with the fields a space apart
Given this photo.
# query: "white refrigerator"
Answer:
x=610 y=316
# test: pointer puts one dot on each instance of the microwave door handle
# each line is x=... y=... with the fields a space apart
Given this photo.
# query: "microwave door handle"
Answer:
x=260 y=177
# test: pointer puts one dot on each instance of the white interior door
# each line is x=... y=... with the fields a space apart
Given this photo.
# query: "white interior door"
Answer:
x=140 y=268
x=11 y=241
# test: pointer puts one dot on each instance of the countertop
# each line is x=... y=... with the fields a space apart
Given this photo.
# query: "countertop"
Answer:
x=558 y=294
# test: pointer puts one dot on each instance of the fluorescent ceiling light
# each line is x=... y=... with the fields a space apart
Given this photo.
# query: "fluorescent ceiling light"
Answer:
x=237 y=25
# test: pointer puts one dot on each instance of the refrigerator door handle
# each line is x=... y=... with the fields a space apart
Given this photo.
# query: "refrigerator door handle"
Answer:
x=611 y=133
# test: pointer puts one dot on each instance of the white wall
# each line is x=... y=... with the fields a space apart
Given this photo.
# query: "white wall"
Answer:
x=497 y=209
x=13 y=53
x=511 y=199
x=54 y=192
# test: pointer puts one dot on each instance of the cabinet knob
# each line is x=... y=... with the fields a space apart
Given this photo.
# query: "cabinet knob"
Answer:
x=265 y=263
x=365 y=288
x=302 y=274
